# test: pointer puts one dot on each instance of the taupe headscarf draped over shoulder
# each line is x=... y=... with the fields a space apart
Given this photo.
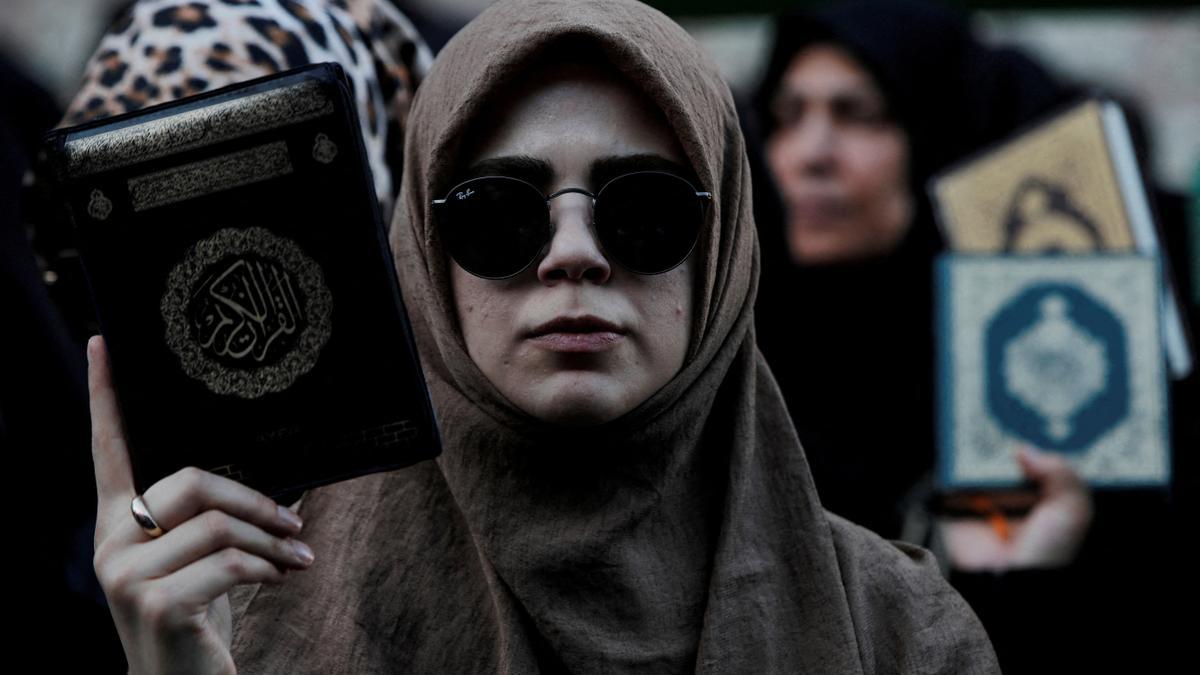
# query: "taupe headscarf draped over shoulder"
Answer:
x=685 y=535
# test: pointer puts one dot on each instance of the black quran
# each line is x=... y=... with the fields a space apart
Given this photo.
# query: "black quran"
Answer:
x=242 y=279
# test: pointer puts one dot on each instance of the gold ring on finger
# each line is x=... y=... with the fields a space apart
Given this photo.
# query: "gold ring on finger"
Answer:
x=142 y=515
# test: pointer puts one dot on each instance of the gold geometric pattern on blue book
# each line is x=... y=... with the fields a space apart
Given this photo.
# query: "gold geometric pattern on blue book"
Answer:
x=1057 y=352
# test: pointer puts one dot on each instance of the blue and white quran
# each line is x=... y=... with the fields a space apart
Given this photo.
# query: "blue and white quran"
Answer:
x=1061 y=353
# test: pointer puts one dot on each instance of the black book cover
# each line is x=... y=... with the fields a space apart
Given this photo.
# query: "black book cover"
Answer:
x=243 y=282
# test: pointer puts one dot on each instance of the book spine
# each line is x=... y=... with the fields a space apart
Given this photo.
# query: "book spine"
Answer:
x=1141 y=219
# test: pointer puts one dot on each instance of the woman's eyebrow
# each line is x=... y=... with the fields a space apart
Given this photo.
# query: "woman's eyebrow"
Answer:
x=608 y=168
x=527 y=168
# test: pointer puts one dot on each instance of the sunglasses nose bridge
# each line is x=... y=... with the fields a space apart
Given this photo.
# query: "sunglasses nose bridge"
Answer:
x=566 y=210
x=573 y=249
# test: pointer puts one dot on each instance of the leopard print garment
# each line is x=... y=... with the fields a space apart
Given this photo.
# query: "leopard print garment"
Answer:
x=160 y=50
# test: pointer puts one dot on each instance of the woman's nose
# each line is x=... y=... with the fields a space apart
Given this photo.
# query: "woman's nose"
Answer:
x=810 y=146
x=574 y=252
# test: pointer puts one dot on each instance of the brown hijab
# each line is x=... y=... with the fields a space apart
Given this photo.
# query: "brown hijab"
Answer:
x=685 y=535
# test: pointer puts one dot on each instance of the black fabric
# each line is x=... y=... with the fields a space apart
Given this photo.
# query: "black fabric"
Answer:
x=43 y=422
x=854 y=348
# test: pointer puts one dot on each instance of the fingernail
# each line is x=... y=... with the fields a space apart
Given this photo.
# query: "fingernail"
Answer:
x=289 y=518
x=303 y=552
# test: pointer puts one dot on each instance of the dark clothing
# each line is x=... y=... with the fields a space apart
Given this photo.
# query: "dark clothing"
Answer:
x=44 y=420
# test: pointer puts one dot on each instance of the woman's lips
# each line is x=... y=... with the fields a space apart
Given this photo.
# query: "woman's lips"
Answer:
x=577 y=343
x=818 y=211
x=576 y=335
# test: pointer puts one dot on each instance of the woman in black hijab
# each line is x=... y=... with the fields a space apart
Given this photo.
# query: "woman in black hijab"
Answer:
x=850 y=150
x=861 y=104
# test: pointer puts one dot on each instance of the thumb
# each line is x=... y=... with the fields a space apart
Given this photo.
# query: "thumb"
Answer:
x=1051 y=472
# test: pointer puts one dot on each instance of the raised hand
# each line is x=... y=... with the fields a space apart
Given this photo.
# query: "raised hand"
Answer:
x=168 y=593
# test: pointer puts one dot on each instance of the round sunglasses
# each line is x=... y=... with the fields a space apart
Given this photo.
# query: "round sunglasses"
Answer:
x=495 y=226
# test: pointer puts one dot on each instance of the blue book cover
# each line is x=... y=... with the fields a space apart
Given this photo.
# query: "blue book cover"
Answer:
x=1061 y=353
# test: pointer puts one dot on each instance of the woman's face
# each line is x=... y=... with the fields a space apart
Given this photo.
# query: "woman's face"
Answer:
x=619 y=336
x=839 y=160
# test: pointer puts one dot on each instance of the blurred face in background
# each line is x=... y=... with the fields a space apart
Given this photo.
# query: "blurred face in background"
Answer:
x=839 y=159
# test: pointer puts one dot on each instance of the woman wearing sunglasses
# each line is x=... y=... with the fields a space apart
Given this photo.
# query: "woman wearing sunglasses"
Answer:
x=621 y=488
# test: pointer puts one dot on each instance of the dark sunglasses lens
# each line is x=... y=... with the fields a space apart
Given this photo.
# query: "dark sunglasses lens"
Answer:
x=648 y=222
x=493 y=227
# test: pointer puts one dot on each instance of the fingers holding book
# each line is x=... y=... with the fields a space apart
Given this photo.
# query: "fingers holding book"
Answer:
x=167 y=589
x=213 y=531
x=177 y=498
x=1049 y=534
x=190 y=493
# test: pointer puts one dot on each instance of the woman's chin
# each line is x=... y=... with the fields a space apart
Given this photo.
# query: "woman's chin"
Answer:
x=578 y=399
